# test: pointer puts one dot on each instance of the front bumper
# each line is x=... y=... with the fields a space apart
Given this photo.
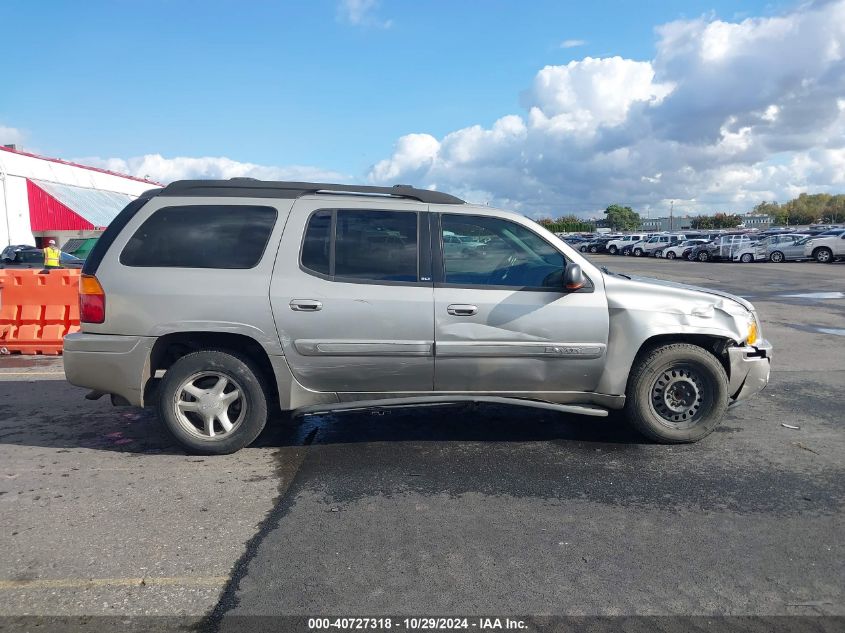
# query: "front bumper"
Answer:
x=750 y=366
x=109 y=363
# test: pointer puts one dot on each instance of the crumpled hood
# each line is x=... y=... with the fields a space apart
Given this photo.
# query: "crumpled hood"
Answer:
x=672 y=284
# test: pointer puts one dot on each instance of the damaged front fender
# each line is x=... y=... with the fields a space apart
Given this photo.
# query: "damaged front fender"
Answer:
x=642 y=309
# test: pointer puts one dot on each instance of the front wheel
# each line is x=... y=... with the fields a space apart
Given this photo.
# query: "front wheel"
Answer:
x=670 y=255
x=676 y=393
x=612 y=250
x=594 y=249
x=823 y=255
x=583 y=249
x=703 y=256
x=638 y=252
x=213 y=402
x=747 y=258
x=776 y=257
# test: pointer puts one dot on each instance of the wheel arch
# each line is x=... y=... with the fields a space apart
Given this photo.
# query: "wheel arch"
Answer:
x=716 y=345
x=618 y=366
x=171 y=347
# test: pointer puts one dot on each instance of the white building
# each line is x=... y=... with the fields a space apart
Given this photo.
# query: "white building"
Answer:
x=47 y=198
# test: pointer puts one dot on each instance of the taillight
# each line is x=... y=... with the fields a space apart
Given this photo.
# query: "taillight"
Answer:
x=92 y=300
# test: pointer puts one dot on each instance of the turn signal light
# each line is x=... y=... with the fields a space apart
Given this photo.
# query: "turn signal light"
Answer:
x=752 y=333
x=92 y=300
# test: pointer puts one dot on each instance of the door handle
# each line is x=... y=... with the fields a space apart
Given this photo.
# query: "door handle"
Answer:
x=461 y=309
x=305 y=305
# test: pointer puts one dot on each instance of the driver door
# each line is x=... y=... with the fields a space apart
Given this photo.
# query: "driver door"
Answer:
x=503 y=321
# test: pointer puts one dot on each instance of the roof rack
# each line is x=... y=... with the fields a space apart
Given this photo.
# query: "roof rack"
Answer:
x=252 y=188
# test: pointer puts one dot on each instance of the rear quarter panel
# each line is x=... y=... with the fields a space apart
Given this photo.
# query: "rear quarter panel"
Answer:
x=151 y=301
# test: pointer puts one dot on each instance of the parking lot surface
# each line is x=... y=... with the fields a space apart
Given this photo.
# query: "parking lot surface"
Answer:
x=446 y=510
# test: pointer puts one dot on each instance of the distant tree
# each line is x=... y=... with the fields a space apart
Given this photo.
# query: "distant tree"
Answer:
x=702 y=222
x=622 y=218
x=567 y=224
x=726 y=220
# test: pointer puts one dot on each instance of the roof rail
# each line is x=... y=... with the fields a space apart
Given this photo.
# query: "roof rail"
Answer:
x=252 y=188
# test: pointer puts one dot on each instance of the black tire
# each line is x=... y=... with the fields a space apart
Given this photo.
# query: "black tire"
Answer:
x=638 y=252
x=746 y=258
x=583 y=249
x=704 y=256
x=671 y=255
x=242 y=373
x=594 y=249
x=683 y=369
x=823 y=255
x=612 y=250
x=776 y=257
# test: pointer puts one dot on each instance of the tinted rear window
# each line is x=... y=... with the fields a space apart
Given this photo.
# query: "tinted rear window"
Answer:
x=376 y=245
x=366 y=245
x=316 y=247
x=201 y=236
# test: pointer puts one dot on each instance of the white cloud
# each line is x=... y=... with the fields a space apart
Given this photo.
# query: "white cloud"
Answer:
x=10 y=135
x=361 y=13
x=726 y=114
x=164 y=170
x=572 y=43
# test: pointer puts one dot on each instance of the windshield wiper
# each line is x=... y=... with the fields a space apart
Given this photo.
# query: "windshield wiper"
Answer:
x=606 y=271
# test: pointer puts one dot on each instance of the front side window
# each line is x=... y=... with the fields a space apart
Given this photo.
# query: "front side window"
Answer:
x=365 y=245
x=201 y=236
x=496 y=252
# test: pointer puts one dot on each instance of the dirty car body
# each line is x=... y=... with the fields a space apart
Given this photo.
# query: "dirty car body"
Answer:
x=352 y=300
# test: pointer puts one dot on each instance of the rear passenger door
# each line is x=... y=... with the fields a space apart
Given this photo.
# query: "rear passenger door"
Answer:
x=352 y=296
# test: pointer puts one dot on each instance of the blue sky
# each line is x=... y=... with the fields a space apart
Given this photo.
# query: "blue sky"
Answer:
x=303 y=83
x=294 y=82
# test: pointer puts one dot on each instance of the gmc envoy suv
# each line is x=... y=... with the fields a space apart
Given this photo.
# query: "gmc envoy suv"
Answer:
x=215 y=300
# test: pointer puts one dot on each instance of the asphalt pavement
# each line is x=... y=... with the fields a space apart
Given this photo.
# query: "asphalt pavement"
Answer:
x=474 y=510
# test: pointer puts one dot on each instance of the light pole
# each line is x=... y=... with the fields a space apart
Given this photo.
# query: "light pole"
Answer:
x=671 y=215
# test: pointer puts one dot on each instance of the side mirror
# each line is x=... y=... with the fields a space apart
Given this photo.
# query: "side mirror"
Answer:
x=573 y=277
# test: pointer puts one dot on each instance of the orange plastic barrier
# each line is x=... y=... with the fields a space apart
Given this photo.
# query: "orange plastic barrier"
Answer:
x=37 y=310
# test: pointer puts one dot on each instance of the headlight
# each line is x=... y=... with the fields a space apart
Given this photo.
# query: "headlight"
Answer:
x=753 y=329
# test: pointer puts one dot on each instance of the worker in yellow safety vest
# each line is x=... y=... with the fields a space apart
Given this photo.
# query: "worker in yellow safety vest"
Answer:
x=52 y=255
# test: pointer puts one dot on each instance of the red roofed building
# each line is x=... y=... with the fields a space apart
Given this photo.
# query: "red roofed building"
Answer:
x=47 y=198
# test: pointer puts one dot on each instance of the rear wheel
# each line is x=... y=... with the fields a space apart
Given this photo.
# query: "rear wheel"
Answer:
x=823 y=255
x=676 y=393
x=776 y=257
x=747 y=258
x=658 y=253
x=583 y=249
x=638 y=252
x=670 y=255
x=594 y=249
x=612 y=250
x=704 y=256
x=213 y=402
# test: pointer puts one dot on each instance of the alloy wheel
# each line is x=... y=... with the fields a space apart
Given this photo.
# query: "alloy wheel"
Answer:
x=210 y=405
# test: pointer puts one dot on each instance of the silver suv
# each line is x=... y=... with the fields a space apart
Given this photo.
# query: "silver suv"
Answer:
x=214 y=300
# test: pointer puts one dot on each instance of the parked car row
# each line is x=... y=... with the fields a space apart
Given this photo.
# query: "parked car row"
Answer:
x=745 y=247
